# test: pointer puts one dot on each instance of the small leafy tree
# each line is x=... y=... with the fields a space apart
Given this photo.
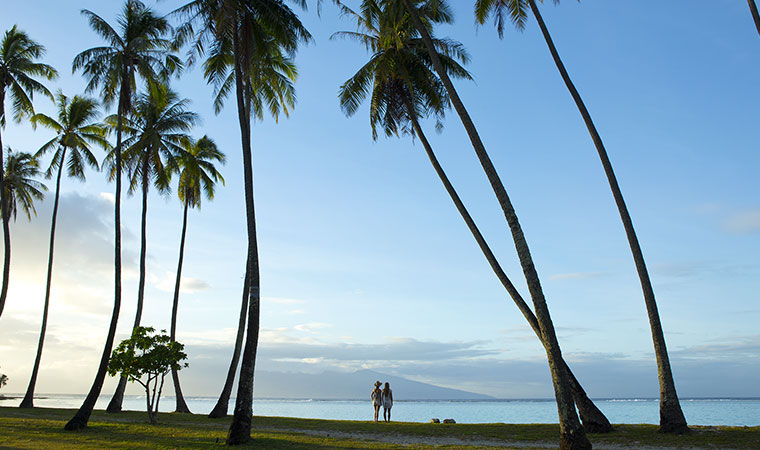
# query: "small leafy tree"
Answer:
x=3 y=379
x=146 y=358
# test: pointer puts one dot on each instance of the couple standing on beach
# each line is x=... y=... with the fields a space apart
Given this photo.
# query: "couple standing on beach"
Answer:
x=382 y=397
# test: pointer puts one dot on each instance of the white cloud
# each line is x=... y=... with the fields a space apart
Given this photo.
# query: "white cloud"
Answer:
x=188 y=285
x=744 y=222
x=108 y=196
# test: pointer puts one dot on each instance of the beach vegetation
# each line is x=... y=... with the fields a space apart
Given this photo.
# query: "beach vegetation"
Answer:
x=146 y=358
x=136 y=47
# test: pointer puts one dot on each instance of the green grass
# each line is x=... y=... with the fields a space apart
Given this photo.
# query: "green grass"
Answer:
x=43 y=428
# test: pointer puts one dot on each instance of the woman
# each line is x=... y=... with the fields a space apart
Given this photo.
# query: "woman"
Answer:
x=376 y=397
x=387 y=402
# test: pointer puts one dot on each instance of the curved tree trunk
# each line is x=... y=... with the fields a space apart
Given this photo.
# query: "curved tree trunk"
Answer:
x=5 y=218
x=117 y=400
x=181 y=405
x=82 y=416
x=671 y=415
x=28 y=401
x=755 y=14
x=593 y=419
x=220 y=409
x=572 y=434
x=240 y=429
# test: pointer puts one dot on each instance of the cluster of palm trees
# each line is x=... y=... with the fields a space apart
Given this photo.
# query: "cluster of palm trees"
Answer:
x=154 y=149
x=247 y=48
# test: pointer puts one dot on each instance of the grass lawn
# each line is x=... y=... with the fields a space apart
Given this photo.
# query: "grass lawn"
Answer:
x=43 y=428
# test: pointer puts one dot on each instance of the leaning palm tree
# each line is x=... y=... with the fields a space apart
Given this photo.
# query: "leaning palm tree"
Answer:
x=246 y=38
x=157 y=128
x=394 y=96
x=755 y=14
x=137 y=48
x=197 y=178
x=671 y=415
x=18 y=67
x=76 y=131
x=571 y=431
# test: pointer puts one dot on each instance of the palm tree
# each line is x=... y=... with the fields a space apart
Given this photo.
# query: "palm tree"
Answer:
x=247 y=38
x=21 y=187
x=671 y=415
x=157 y=127
x=18 y=67
x=571 y=431
x=137 y=48
x=197 y=177
x=405 y=88
x=76 y=130
x=755 y=14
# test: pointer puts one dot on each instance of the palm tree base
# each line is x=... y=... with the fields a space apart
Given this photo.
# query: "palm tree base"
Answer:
x=590 y=426
x=674 y=428
x=75 y=424
x=218 y=412
x=574 y=440
x=26 y=403
x=239 y=435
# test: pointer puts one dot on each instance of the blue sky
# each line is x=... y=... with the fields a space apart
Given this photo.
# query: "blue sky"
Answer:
x=352 y=229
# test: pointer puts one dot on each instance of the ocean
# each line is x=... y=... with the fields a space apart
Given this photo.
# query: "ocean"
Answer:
x=698 y=411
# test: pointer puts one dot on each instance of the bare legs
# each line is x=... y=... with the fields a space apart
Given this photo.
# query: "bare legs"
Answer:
x=386 y=414
x=377 y=411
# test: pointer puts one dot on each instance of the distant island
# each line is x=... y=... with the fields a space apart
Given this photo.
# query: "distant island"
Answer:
x=350 y=386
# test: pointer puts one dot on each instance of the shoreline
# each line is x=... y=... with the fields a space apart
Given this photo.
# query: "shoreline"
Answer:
x=41 y=427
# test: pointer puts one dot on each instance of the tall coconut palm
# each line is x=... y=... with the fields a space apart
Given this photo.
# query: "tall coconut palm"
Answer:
x=197 y=178
x=755 y=14
x=19 y=66
x=671 y=415
x=571 y=432
x=76 y=131
x=136 y=47
x=243 y=34
x=384 y=76
x=157 y=127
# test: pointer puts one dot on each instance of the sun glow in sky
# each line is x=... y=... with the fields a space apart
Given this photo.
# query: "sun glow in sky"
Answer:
x=352 y=229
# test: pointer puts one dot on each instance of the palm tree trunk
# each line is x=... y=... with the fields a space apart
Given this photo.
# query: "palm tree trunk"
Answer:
x=6 y=225
x=117 y=400
x=572 y=434
x=181 y=405
x=82 y=416
x=671 y=415
x=594 y=421
x=220 y=409
x=755 y=14
x=28 y=401
x=240 y=429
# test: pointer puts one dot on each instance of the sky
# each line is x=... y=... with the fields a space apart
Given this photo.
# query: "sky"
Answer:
x=365 y=262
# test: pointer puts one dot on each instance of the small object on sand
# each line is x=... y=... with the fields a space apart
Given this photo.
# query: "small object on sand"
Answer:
x=449 y=421
x=435 y=420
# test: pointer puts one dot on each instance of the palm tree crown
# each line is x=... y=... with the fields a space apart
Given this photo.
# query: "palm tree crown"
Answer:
x=197 y=173
x=17 y=67
x=399 y=76
x=138 y=47
x=157 y=130
x=76 y=130
x=21 y=187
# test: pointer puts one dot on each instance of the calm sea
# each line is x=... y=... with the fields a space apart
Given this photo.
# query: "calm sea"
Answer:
x=710 y=411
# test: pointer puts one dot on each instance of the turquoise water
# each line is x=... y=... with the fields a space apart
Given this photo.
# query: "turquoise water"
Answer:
x=738 y=412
